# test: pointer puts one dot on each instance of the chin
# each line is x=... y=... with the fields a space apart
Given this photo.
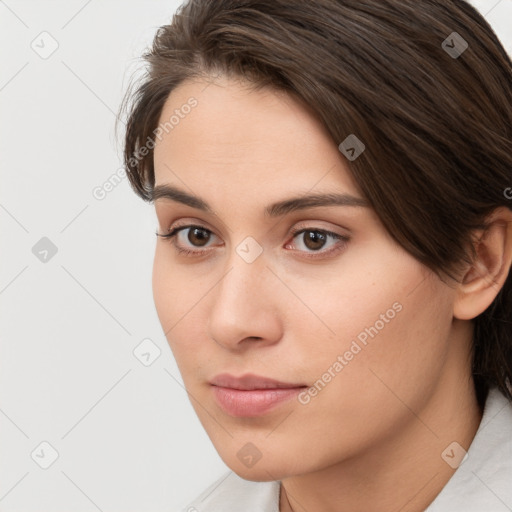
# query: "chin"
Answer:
x=259 y=474
x=266 y=469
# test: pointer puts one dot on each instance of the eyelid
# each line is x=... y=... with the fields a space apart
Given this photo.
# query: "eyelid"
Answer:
x=340 y=232
x=165 y=212
x=188 y=222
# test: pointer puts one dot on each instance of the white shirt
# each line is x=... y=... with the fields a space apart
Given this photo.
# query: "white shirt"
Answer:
x=482 y=482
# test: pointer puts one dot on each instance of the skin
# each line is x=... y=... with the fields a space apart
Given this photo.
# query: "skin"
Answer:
x=373 y=437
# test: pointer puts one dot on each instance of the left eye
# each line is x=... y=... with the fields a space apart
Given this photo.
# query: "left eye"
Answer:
x=316 y=239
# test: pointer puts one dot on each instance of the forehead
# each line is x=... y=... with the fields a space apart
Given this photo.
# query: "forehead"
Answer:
x=253 y=140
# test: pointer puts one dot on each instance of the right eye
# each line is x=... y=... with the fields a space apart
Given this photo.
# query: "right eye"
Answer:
x=185 y=238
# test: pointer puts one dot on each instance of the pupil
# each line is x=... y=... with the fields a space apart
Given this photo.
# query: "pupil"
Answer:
x=200 y=234
x=314 y=239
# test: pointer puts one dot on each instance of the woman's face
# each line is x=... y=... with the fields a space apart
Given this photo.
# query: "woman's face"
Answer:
x=314 y=295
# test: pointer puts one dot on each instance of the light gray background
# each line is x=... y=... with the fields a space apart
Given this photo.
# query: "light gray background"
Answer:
x=126 y=435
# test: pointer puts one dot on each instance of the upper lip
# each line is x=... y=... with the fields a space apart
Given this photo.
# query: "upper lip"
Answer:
x=250 y=382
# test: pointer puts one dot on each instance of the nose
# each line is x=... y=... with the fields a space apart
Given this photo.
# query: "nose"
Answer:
x=245 y=309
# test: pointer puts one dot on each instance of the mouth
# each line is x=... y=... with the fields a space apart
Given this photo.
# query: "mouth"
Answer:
x=251 y=395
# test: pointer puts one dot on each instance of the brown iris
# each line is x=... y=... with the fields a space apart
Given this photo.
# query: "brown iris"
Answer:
x=314 y=239
x=198 y=236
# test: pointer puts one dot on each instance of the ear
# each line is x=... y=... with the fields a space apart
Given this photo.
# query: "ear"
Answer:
x=483 y=280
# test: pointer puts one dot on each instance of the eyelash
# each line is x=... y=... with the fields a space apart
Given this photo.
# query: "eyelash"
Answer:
x=296 y=231
x=170 y=236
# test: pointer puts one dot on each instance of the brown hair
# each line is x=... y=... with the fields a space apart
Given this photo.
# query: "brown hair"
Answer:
x=437 y=127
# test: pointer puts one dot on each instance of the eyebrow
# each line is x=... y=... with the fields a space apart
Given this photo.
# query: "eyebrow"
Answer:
x=274 y=210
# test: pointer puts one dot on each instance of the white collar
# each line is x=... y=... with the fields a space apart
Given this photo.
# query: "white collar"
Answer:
x=483 y=482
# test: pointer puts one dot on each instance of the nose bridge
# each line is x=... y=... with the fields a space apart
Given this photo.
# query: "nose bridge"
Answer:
x=245 y=279
x=242 y=305
x=242 y=288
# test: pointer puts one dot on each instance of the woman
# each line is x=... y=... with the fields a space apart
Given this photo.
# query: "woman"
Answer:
x=332 y=181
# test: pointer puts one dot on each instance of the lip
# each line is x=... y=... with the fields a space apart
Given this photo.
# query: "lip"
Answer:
x=251 y=395
x=249 y=382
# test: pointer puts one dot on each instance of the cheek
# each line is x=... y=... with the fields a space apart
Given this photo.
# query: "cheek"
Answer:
x=180 y=300
x=393 y=339
x=339 y=302
x=173 y=293
x=388 y=318
x=175 y=288
x=165 y=287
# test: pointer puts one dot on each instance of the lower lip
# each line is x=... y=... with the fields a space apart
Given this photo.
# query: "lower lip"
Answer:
x=243 y=403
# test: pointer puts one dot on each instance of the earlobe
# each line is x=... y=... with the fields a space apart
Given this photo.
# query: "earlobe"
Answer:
x=484 y=279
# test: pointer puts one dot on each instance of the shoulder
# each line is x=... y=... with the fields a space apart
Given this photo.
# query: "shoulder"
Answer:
x=230 y=493
x=483 y=479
